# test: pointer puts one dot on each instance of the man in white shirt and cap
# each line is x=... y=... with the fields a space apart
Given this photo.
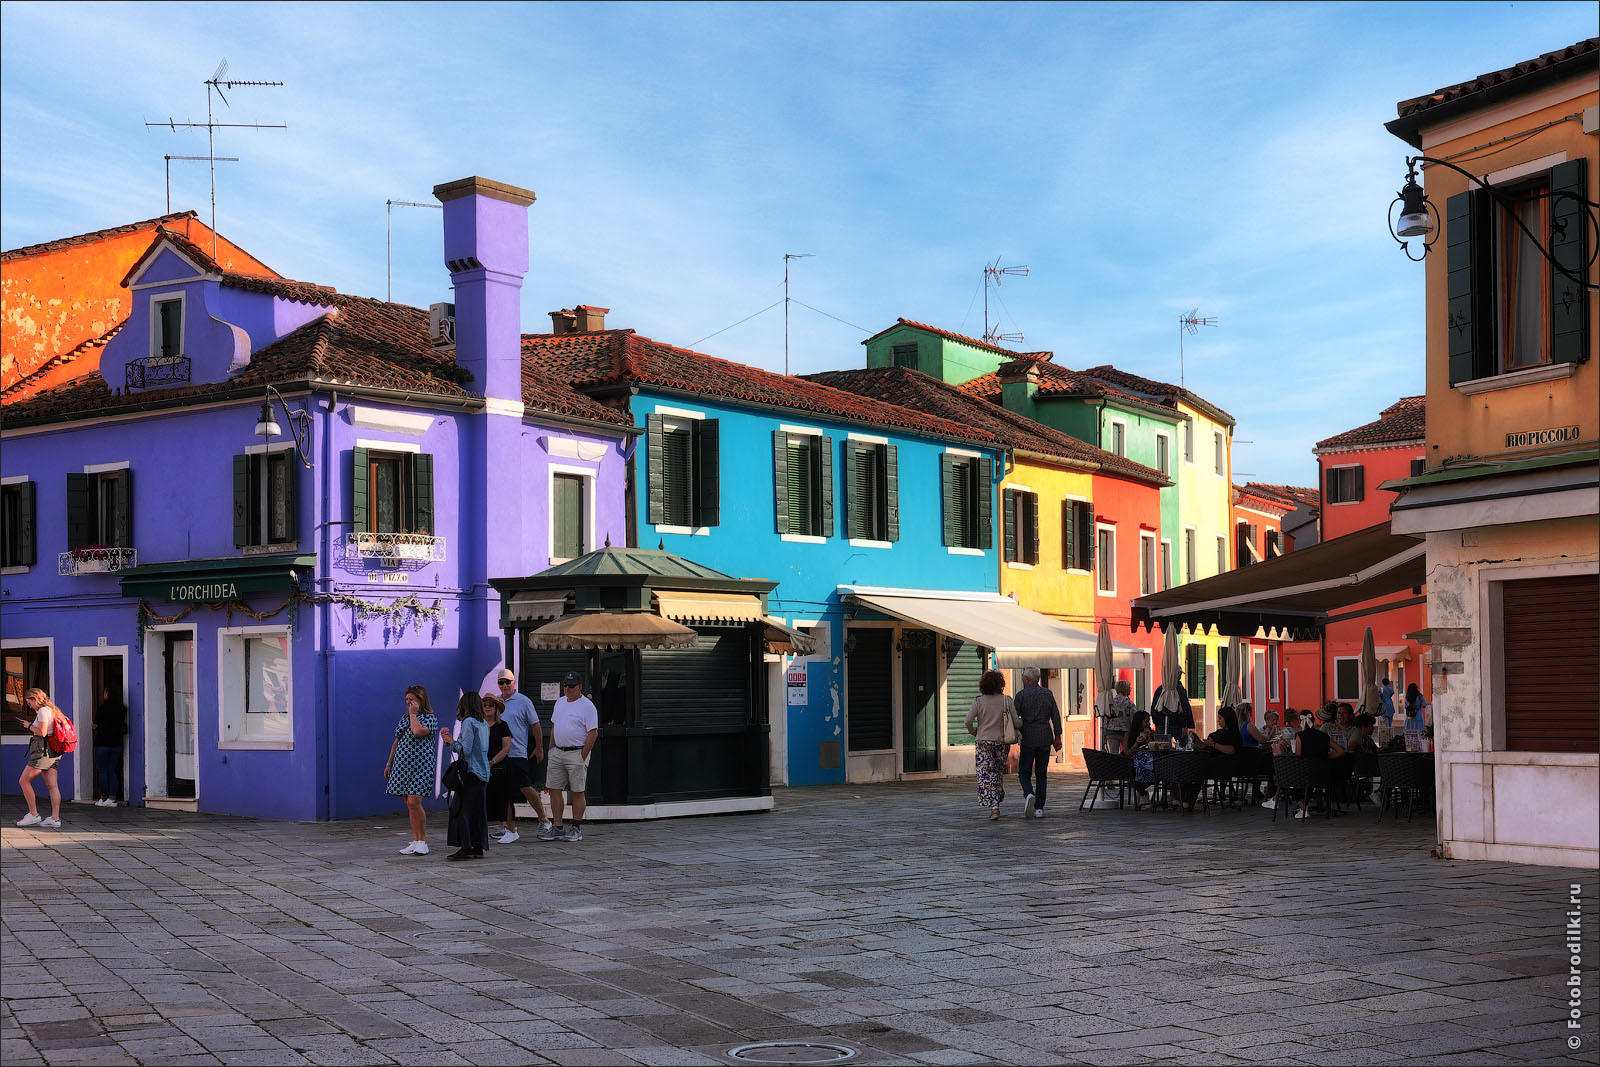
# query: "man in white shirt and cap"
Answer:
x=574 y=728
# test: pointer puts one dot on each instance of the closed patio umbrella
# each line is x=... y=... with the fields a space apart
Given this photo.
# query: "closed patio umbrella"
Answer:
x=1105 y=676
x=1233 y=689
x=612 y=629
x=1371 y=699
x=1169 y=703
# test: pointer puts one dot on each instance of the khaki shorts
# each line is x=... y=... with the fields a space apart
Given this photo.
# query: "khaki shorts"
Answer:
x=566 y=770
x=40 y=758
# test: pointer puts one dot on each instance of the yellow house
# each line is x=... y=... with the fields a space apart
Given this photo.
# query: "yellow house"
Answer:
x=1507 y=502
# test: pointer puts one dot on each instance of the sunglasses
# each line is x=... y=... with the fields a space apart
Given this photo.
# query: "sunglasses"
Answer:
x=506 y=681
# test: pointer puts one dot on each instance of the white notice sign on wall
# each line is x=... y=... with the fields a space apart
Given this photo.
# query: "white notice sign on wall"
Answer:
x=798 y=693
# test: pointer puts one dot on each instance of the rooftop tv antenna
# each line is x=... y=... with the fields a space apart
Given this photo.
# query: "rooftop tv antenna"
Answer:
x=169 y=159
x=215 y=84
x=787 y=256
x=388 y=230
x=1189 y=324
x=994 y=271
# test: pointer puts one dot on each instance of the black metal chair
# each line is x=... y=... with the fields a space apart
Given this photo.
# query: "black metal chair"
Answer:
x=1302 y=775
x=1397 y=777
x=1254 y=768
x=1184 y=769
x=1106 y=771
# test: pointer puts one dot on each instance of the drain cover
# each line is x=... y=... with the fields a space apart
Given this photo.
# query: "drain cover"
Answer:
x=792 y=1052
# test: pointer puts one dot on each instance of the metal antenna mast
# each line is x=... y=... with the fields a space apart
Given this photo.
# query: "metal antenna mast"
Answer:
x=217 y=83
x=388 y=228
x=1189 y=324
x=169 y=159
x=995 y=271
x=787 y=256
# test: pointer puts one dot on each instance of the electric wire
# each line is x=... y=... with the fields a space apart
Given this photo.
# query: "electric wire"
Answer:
x=835 y=318
x=741 y=322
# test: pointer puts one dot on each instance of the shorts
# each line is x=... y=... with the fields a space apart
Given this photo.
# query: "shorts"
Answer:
x=516 y=777
x=40 y=758
x=566 y=770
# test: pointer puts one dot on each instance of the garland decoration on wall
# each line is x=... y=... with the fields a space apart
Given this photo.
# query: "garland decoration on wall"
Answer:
x=148 y=618
x=397 y=614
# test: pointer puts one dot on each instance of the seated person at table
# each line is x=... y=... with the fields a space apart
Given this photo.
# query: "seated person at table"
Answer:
x=1317 y=745
x=1281 y=735
x=1136 y=743
x=1225 y=739
x=1247 y=724
x=1345 y=728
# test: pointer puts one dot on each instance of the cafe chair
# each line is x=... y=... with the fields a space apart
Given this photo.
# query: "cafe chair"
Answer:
x=1108 y=771
x=1397 y=780
x=1301 y=776
x=1184 y=769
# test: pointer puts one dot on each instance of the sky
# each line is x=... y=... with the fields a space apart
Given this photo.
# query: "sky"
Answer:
x=1141 y=160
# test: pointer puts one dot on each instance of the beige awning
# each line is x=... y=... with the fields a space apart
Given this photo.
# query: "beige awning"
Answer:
x=709 y=607
x=786 y=639
x=612 y=629
x=1019 y=637
x=531 y=607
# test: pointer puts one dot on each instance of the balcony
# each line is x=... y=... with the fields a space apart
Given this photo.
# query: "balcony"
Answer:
x=148 y=372
x=97 y=559
x=393 y=549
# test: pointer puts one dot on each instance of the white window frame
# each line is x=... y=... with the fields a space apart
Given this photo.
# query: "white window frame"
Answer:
x=229 y=675
x=1339 y=467
x=1220 y=443
x=961 y=550
x=1188 y=441
x=1105 y=527
x=258 y=530
x=816 y=435
x=1164 y=438
x=1166 y=551
x=1349 y=698
x=588 y=476
x=1149 y=553
x=866 y=439
x=22 y=479
x=1118 y=425
x=49 y=645
x=1015 y=487
x=1274 y=665
x=1222 y=554
x=1191 y=554
x=1076 y=500
x=680 y=419
x=156 y=300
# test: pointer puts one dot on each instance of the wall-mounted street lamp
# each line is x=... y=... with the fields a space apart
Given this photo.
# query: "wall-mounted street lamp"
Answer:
x=1419 y=219
x=299 y=424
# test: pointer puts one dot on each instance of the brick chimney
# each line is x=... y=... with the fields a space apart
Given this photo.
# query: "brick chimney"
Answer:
x=1019 y=381
x=486 y=249
x=585 y=318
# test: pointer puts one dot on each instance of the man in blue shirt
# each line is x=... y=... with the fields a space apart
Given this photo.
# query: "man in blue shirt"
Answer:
x=1386 y=697
x=523 y=719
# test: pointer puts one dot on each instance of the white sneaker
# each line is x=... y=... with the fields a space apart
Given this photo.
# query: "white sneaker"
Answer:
x=419 y=848
x=50 y=822
x=1302 y=813
x=1027 y=807
x=1038 y=813
x=546 y=826
x=508 y=837
x=100 y=803
x=111 y=802
x=411 y=849
x=29 y=819
x=1270 y=802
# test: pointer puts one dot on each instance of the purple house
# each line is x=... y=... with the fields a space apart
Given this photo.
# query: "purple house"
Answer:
x=276 y=506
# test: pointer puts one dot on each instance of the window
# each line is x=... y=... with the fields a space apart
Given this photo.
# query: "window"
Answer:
x=1247 y=553
x=1222 y=554
x=264 y=499
x=872 y=491
x=1272 y=671
x=100 y=509
x=1106 y=546
x=1418 y=467
x=166 y=326
x=1345 y=484
x=1549 y=652
x=392 y=492
x=26 y=668
x=1077 y=535
x=683 y=460
x=1194 y=671
x=1347 y=678
x=965 y=485
x=1191 y=555
x=1119 y=438
x=256 y=696
x=1508 y=309
x=1163 y=453
x=1020 y=516
x=1147 y=563
x=802 y=479
x=17 y=548
x=1166 y=564
x=1274 y=544
x=1188 y=442
x=1220 y=445
x=904 y=355
x=1222 y=669
x=569 y=516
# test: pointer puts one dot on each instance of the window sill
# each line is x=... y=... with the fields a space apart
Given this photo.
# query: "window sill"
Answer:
x=803 y=539
x=1078 y=570
x=1018 y=566
x=267 y=550
x=15 y=570
x=856 y=542
x=262 y=746
x=955 y=551
x=685 y=531
x=1105 y=592
x=1547 y=372
x=14 y=739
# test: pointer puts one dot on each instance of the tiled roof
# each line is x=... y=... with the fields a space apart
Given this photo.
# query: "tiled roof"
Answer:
x=1163 y=392
x=1264 y=493
x=913 y=389
x=90 y=238
x=1299 y=494
x=963 y=338
x=181 y=242
x=27 y=384
x=615 y=357
x=1053 y=380
x=1418 y=104
x=1405 y=420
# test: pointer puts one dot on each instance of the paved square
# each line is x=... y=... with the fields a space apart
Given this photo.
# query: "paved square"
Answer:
x=894 y=919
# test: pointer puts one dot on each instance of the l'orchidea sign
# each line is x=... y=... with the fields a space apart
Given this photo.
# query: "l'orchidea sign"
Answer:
x=1533 y=438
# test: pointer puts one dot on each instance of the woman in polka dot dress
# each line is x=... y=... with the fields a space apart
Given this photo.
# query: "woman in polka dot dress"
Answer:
x=412 y=764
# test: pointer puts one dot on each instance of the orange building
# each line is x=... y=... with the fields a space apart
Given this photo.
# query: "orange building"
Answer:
x=64 y=299
x=1258 y=515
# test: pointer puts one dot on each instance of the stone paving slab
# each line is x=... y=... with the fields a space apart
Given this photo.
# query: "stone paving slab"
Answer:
x=894 y=919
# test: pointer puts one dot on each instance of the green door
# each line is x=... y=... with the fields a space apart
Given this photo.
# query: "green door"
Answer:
x=919 y=701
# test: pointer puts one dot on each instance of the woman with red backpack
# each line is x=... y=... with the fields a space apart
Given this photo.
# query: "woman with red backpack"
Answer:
x=43 y=757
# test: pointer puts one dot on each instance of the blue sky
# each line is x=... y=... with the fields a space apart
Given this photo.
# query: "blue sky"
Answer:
x=1142 y=160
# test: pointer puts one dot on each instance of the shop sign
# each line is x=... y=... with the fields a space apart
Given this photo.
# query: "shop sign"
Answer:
x=799 y=693
x=1533 y=438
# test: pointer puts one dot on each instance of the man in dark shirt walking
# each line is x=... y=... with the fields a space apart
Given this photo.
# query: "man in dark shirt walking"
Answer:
x=1041 y=731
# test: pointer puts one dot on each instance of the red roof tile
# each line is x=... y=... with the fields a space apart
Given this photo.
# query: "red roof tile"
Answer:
x=588 y=361
x=1299 y=494
x=963 y=338
x=1418 y=104
x=188 y=248
x=90 y=238
x=1404 y=420
x=25 y=386
x=1163 y=392
x=921 y=392
x=1054 y=380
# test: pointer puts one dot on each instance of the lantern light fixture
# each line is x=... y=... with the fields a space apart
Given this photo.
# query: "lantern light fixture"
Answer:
x=268 y=427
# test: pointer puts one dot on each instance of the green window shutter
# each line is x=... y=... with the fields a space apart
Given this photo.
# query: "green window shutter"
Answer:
x=891 y=493
x=780 y=478
x=824 y=447
x=677 y=476
x=952 y=495
x=1360 y=490
x=291 y=498
x=27 y=545
x=422 y=494
x=1088 y=537
x=241 y=501
x=1069 y=534
x=1008 y=520
x=855 y=501
x=707 y=471
x=1569 y=237
x=568 y=535
x=797 y=463
x=122 y=510
x=1030 y=527
x=1469 y=287
x=77 y=510
x=984 y=491
x=654 y=426
x=359 y=511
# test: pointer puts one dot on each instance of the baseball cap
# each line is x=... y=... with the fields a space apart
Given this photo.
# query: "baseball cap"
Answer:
x=572 y=678
x=505 y=676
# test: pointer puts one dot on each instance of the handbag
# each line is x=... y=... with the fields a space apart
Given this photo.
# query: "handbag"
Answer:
x=1008 y=729
x=455 y=775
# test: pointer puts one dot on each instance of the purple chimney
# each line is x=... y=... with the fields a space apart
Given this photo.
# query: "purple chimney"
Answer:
x=486 y=249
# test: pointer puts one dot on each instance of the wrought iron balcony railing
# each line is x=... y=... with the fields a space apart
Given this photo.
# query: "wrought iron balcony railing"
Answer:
x=147 y=372
x=396 y=548
x=97 y=560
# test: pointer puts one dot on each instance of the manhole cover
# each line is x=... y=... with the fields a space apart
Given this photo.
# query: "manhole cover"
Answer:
x=792 y=1052
x=465 y=934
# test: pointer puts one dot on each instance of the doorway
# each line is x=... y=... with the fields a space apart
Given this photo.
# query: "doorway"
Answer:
x=96 y=669
x=179 y=676
x=107 y=730
x=919 y=701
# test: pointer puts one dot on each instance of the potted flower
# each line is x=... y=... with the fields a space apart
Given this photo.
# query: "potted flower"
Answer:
x=417 y=546
x=90 y=559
